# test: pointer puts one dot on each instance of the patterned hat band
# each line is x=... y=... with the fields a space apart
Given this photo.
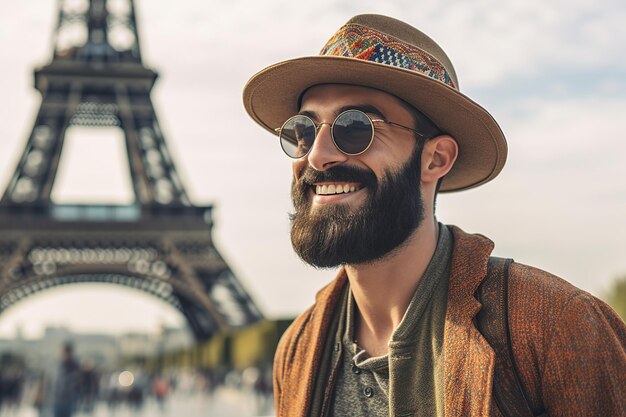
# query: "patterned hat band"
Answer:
x=360 y=42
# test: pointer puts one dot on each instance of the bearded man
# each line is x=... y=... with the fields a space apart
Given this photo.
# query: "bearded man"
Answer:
x=376 y=128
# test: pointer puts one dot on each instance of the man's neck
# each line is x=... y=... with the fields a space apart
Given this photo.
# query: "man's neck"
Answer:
x=383 y=290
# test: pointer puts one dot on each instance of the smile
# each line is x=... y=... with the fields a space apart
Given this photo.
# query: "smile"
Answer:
x=330 y=189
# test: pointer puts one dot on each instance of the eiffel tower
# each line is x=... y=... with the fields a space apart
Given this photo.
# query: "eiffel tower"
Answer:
x=160 y=244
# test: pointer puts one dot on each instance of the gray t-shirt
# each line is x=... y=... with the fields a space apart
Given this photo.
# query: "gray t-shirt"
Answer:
x=362 y=386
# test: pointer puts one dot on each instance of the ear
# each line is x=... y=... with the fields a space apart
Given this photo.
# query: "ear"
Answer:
x=438 y=157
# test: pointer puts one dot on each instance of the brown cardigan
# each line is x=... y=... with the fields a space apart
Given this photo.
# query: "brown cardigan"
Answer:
x=569 y=346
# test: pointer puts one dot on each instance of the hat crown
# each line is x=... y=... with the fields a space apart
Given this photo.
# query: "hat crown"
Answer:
x=388 y=41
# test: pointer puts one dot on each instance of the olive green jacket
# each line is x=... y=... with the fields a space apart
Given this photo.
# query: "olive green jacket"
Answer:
x=569 y=346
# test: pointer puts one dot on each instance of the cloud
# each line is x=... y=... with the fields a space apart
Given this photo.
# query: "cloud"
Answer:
x=559 y=203
x=490 y=40
x=552 y=73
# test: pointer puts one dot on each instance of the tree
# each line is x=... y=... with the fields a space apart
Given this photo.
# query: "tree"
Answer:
x=616 y=297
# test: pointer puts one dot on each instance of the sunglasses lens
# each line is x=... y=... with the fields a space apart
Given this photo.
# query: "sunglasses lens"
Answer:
x=297 y=136
x=353 y=132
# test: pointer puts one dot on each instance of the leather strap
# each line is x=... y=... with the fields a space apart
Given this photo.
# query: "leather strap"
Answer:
x=493 y=322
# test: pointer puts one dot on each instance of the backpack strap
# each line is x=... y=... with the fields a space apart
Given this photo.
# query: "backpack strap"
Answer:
x=493 y=323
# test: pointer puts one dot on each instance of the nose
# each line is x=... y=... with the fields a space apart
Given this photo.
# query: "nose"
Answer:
x=324 y=154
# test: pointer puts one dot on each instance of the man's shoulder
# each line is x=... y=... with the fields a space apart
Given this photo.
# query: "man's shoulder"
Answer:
x=542 y=304
x=539 y=303
x=532 y=291
x=316 y=317
x=532 y=288
x=532 y=283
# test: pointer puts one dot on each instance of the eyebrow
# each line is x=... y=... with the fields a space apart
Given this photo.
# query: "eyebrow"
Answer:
x=365 y=108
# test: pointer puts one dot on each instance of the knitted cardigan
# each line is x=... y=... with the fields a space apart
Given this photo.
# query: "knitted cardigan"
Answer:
x=570 y=347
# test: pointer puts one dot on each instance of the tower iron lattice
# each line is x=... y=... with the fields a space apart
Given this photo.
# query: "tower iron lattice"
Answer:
x=161 y=244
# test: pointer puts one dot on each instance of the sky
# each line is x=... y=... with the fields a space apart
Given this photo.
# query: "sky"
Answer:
x=553 y=74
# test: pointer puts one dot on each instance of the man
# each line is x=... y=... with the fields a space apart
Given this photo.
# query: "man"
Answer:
x=67 y=383
x=376 y=128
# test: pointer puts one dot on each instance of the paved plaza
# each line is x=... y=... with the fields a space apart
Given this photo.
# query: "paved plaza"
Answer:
x=225 y=402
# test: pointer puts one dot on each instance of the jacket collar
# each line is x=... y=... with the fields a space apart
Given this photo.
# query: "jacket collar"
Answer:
x=468 y=358
x=313 y=337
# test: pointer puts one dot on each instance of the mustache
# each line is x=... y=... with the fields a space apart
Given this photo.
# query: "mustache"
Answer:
x=340 y=173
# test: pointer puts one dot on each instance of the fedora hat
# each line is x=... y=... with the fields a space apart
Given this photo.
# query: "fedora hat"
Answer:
x=386 y=54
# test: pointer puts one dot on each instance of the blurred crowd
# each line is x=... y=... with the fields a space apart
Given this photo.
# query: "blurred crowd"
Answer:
x=80 y=387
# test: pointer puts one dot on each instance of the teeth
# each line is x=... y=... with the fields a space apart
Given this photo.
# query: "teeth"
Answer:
x=335 y=189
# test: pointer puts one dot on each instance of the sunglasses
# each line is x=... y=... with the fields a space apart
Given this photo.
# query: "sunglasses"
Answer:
x=352 y=132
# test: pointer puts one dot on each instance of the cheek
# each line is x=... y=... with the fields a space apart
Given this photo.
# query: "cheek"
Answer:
x=392 y=149
x=382 y=160
x=405 y=148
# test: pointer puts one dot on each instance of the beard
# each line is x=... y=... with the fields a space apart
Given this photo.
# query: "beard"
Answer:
x=337 y=234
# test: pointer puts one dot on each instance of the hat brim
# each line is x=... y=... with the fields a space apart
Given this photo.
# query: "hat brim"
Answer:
x=271 y=96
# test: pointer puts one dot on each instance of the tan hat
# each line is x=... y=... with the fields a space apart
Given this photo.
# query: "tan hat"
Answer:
x=389 y=55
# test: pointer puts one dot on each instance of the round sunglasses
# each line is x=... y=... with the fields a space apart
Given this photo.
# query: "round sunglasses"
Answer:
x=352 y=132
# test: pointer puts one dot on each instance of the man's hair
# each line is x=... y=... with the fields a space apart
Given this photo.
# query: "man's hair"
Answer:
x=430 y=130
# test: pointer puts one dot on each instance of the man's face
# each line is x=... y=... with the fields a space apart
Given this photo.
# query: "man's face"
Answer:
x=382 y=205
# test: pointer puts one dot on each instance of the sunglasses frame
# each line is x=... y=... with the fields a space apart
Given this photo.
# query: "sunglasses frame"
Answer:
x=332 y=134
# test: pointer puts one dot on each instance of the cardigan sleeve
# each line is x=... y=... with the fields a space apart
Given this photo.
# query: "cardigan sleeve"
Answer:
x=584 y=373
